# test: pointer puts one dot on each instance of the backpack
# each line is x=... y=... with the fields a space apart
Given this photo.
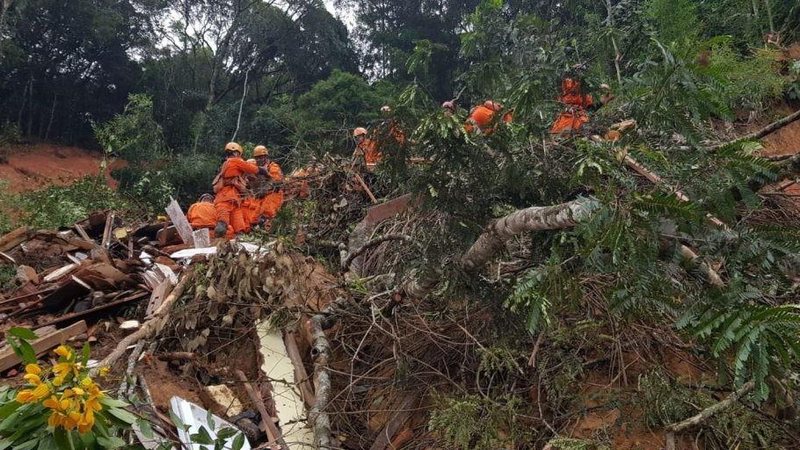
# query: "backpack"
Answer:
x=220 y=182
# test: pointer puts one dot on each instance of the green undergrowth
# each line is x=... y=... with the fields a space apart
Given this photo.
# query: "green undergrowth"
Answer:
x=62 y=206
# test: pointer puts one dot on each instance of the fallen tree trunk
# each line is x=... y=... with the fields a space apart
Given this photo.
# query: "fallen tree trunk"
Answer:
x=149 y=328
x=535 y=218
x=703 y=415
x=778 y=124
x=320 y=351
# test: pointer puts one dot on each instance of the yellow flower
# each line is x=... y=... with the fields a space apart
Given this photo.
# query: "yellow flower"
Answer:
x=54 y=420
x=78 y=391
x=58 y=381
x=104 y=371
x=41 y=391
x=93 y=405
x=87 y=383
x=25 y=396
x=51 y=403
x=64 y=351
x=62 y=369
x=32 y=379
x=86 y=422
x=33 y=369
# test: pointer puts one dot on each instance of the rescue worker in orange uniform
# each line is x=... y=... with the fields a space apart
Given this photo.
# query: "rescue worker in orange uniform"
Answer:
x=577 y=104
x=482 y=116
x=273 y=200
x=366 y=149
x=229 y=185
x=202 y=214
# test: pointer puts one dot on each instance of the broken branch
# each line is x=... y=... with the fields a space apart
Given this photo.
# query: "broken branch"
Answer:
x=149 y=328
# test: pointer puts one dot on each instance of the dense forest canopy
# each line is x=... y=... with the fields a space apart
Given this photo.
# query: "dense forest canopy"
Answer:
x=165 y=84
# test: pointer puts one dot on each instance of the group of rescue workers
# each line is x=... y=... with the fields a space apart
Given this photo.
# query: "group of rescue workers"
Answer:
x=249 y=193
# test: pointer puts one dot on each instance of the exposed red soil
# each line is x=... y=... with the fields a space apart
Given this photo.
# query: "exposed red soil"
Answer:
x=785 y=141
x=32 y=167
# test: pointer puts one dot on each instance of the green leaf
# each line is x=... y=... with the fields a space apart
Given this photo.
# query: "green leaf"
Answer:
x=202 y=437
x=22 y=333
x=48 y=442
x=85 y=354
x=113 y=402
x=110 y=442
x=33 y=443
x=177 y=421
x=8 y=408
x=238 y=443
x=145 y=428
x=26 y=352
x=226 y=433
x=122 y=415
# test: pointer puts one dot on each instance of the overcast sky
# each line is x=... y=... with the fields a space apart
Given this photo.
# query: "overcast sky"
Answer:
x=345 y=15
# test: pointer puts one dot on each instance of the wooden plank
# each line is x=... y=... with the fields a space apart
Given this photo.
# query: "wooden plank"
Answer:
x=53 y=276
x=301 y=377
x=9 y=359
x=13 y=238
x=160 y=292
x=179 y=220
x=201 y=238
x=77 y=316
x=402 y=415
x=107 y=231
x=65 y=293
x=82 y=232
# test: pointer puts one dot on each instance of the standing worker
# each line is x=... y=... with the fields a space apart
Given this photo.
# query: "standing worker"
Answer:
x=229 y=185
x=366 y=149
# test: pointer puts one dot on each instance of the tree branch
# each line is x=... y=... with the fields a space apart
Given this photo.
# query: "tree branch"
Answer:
x=377 y=241
x=536 y=218
x=762 y=132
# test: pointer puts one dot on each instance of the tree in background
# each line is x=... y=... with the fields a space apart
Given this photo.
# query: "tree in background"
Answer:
x=64 y=65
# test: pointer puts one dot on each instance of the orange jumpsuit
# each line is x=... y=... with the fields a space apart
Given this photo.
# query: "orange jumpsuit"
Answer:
x=481 y=116
x=369 y=148
x=202 y=215
x=271 y=203
x=573 y=118
x=228 y=200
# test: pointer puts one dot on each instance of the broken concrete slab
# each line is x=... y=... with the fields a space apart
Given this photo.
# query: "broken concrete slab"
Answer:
x=289 y=404
x=221 y=400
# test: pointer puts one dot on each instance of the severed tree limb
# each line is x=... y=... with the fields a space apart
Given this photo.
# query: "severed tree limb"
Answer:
x=703 y=415
x=377 y=241
x=149 y=328
x=536 y=218
x=320 y=351
x=713 y=277
x=762 y=132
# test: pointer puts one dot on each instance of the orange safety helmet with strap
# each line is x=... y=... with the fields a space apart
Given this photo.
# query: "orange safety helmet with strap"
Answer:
x=219 y=182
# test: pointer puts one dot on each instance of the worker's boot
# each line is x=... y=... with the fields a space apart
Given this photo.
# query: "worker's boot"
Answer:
x=220 y=229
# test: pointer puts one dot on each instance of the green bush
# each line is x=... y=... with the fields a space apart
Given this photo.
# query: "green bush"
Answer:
x=62 y=206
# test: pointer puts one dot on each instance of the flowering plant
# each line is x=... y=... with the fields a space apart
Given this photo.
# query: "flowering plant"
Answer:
x=60 y=406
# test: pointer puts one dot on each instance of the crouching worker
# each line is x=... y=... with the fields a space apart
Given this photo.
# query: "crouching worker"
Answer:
x=229 y=185
x=273 y=198
x=203 y=214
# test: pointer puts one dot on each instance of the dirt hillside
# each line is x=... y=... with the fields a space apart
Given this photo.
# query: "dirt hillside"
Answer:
x=31 y=167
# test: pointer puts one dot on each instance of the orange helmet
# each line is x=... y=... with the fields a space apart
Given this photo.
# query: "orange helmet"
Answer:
x=231 y=147
x=493 y=105
x=570 y=86
x=260 y=150
x=360 y=131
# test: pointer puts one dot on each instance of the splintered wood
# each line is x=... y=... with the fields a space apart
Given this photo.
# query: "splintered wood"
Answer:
x=179 y=220
x=278 y=367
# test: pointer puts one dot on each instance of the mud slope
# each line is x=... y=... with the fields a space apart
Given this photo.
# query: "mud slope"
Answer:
x=32 y=167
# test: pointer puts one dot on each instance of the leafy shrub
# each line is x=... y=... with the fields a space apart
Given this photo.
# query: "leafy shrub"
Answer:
x=478 y=423
x=60 y=406
x=133 y=135
x=61 y=206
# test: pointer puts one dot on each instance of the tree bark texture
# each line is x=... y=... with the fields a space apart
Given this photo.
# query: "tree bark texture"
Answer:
x=318 y=416
x=536 y=218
